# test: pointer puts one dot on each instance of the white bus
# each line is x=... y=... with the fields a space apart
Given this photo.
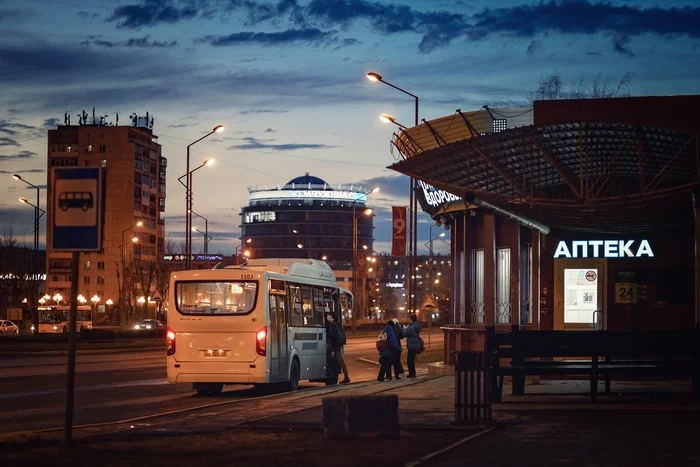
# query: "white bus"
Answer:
x=56 y=319
x=259 y=323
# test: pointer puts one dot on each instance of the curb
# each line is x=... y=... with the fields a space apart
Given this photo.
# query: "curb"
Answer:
x=27 y=353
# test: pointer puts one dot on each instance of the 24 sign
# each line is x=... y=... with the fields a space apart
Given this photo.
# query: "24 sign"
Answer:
x=625 y=293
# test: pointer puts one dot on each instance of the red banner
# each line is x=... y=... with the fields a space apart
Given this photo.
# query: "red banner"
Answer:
x=398 y=234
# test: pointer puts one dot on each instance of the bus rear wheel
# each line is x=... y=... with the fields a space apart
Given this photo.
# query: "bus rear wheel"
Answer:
x=294 y=375
x=208 y=389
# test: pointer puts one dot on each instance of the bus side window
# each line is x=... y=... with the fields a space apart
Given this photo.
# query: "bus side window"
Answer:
x=308 y=306
x=295 y=305
x=318 y=307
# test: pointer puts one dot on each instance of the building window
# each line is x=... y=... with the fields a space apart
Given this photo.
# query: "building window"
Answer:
x=55 y=264
x=86 y=279
x=54 y=278
x=503 y=285
x=87 y=264
x=89 y=148
x=476 y=279
x=100 y=279
x=100 y=265
x=500 y=124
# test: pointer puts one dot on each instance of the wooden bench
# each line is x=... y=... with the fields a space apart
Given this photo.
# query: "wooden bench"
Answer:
x=596 y=353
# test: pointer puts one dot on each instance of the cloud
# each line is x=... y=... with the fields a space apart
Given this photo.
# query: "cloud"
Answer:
x=270 y=130
x=291 y=36
x=18 y=155
x=620 y=45
x=534 y=46
x=181 y=125
x=10 y=128
x=8 y=142
x=142 y=42
x=25 y=171
x=14 y=111
x=347 y=43
x=151 y=13
x=51 y=123
x=263 y=111
x=253 y=143
x=86 y=14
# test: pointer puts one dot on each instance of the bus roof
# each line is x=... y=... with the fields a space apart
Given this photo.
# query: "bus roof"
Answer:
x=299 y=267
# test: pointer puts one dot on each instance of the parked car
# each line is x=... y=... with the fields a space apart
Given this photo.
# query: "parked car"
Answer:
x=8 y=328
x=148 y=324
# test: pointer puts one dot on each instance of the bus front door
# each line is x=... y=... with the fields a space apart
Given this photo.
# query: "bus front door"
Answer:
x=278 y=350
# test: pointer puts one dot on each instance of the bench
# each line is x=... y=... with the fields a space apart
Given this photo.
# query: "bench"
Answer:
x=596 y=354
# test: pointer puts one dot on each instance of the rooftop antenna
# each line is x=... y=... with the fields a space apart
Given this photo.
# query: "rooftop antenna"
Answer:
x=152 y=118
x=80 y=119
x=117 y=123
x=93 y=116
x=65 y=118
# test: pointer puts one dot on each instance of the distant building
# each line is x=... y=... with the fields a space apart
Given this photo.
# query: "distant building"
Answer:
x=308 y=218
x=135 y=186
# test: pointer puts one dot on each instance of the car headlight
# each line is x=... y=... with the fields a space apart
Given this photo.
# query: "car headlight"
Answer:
x=137 y=327
x=148 y=326
x=55 y=328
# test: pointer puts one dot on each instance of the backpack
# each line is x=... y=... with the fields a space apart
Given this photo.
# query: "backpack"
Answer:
x=422 y=346
x=382 y=341
x=341 y=335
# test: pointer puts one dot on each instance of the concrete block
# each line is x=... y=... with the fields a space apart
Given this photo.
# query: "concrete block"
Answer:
x=440 y=369
x=368 y=416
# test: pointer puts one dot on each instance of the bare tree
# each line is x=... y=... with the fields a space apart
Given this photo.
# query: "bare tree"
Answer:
x=602 y=86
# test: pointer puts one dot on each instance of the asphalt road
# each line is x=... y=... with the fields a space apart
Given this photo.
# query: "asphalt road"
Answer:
x=111 y=387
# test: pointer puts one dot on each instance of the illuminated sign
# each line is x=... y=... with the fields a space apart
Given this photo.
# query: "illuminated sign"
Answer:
x=193 y=257
x=434 y=197
x=603 y=248
x=309 y=194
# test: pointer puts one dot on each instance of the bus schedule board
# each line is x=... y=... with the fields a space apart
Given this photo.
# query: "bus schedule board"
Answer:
x=77 y=209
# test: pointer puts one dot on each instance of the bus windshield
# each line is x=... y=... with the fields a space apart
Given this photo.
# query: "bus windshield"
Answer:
x=218 y=298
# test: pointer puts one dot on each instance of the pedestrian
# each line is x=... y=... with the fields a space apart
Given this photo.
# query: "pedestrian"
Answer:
x=412 y=334
x=398 y=367
x=333 y=341
x=387 y=356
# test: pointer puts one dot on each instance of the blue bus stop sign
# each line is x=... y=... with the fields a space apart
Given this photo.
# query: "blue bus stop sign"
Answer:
x=77 y=209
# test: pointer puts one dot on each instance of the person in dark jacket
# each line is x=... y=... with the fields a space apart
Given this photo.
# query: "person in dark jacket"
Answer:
x=387 y=356
x=335 y=347
x=398 y=367
x=411 y=333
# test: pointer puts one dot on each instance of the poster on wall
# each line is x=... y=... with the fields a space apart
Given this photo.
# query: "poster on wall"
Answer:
x=626 y=287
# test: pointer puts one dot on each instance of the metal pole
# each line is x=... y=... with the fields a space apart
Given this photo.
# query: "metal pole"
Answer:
x=35 y=286
x=187 y=213
x=414 y=228
x=354 y=269
x=70 y=373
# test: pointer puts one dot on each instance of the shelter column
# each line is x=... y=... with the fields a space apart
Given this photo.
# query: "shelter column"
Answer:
x=489 y=270
x=535 y=274
x=697 y=265
x=515 y=274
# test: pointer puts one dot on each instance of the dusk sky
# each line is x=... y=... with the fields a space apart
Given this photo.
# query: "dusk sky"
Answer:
x=287 y=79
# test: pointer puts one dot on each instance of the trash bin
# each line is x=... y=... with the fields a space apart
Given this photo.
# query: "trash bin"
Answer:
x=472 y=387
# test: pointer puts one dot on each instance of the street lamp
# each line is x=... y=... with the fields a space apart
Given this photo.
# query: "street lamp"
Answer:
x=138 y=224
x=413 y=200
x=358 y=297
x=109 y=304
x=188 y=198
x=95 y=300
x=38 y=212
x=57 y=298
x=248 y=241
x=207 y=237
x=141 y=300
x=386 y=118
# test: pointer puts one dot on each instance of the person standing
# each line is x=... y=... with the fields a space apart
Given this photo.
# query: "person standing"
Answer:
x=412 y=333
x=332 y=339
x=388 y=354
x=398 y=367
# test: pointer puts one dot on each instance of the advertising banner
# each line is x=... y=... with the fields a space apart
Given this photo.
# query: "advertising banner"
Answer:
x=398 y=233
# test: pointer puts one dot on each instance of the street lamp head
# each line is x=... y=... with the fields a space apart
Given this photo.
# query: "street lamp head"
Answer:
x=442 y=234
x=134 y=239
x=246 y=254
x=386 y=118
x=218 y=128
x=139 y=224
x=195 y=229
x=23 y=200
x=95 y=298
x=208 y=162
x=373 y=190
x=299 y=245
x=17 y=177
x=324 y=257
x=372 y=76
x=368 y=212
x=249 y=240
x=109 y=302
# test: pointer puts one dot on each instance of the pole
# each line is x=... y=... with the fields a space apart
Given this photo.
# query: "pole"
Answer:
x=188 y=221
x=35 y=286
x=354 y=269
x=70 y=372
x=414 y=228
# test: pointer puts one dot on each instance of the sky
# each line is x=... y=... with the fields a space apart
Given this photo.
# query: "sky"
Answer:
x=287 y=79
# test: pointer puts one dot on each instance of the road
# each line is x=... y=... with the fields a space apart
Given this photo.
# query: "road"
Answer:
x=111 y=387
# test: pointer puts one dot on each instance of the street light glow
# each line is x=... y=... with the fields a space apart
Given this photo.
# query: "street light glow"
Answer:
x=374 y=77
x=139 y=224
x=208 y=162
x=24 y=200
x=109 y=302
x=373 y=190
x=386 y=118
x=134 y=239
x=218 y=128
x=368 y=212
x=299 y=245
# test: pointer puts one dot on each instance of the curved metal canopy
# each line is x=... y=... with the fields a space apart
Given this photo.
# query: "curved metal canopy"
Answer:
x=587 y=176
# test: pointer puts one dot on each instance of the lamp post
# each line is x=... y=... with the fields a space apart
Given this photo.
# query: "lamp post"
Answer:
x=413 y=201
x=188 y=198
x=207 y=237
x=95 y=300
x=122 y=288
x=248 y=241
x=109 y=304
x=355 y=233
x=141 y=300
x=38 y=212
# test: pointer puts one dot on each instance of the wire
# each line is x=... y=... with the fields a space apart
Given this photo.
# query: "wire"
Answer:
x=511 y=116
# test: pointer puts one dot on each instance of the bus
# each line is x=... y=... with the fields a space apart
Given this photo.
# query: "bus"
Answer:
x=259 y=323
x=56 y=319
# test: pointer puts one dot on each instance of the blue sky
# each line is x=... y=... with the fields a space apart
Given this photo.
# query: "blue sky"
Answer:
x=287 y=78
